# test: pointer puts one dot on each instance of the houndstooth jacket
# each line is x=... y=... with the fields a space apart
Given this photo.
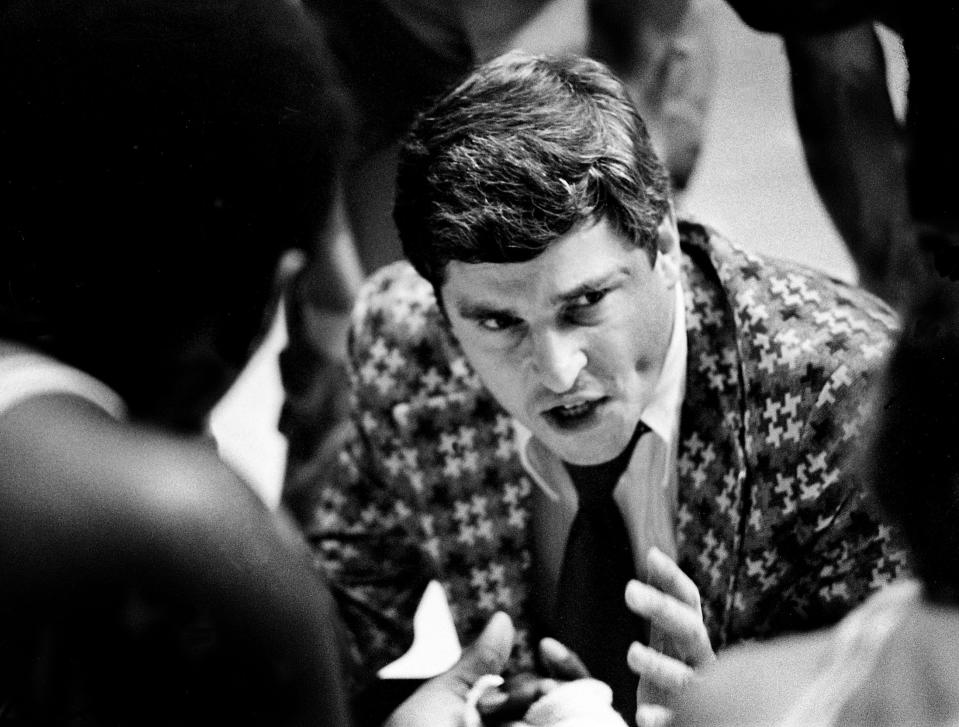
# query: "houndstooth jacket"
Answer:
x=772 y=524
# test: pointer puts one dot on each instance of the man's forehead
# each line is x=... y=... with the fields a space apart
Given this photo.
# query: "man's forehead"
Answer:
x=566 y=269
x=475 y=281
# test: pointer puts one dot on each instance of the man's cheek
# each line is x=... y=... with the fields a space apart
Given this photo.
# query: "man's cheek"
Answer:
x=509 y=394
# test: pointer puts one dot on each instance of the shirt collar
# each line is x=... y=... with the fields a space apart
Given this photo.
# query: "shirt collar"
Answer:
x=661 y=415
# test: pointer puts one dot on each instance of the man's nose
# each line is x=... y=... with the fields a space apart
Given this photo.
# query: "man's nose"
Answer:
x=557 y=359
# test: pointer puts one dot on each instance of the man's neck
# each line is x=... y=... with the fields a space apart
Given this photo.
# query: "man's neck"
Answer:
x=605 y=474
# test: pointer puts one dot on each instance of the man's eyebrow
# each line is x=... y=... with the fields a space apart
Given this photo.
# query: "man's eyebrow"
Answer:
x=600 y=282
x=475 y=310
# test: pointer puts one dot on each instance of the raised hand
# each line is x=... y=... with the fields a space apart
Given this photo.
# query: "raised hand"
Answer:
x=678 y=644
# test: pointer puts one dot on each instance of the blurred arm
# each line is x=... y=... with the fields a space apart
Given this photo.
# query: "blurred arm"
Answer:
x=854 y=148
x=666 y=55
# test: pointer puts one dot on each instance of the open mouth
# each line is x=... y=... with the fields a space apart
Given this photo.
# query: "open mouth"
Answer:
x=573 y=416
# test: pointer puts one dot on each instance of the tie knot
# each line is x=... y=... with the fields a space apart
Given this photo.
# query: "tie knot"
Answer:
x=595 y=494
x=595 y=483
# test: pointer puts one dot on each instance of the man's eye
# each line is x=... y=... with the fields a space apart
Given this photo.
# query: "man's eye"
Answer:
x=496 y=323
x=585 y=308
x=589 y=298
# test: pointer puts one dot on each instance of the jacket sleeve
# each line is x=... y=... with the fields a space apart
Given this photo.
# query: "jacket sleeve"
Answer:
x=427 y=484
x=357 y=496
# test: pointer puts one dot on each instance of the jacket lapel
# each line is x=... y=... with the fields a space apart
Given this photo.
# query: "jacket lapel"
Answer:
x=711 y=458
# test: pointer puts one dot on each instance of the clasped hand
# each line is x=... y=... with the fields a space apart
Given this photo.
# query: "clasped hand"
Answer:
x=679 y=644
x=564 y=697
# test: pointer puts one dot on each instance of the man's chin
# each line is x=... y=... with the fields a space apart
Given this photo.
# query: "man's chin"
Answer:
x=601 y=442
x=586 y=453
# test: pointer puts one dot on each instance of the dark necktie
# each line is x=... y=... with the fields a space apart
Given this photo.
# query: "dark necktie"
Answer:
x=591 y=616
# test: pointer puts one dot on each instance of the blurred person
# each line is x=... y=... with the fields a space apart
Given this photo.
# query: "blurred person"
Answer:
x=567 y=389
x=158 y=159
x=885 y=185
x=893 y=660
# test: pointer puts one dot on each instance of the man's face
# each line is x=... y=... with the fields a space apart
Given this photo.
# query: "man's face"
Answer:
x=572 y=342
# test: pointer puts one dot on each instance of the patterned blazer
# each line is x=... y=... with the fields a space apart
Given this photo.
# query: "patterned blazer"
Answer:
x=772 y=525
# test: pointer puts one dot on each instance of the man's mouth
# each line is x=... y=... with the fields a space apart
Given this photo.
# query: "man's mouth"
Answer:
x=573 y=416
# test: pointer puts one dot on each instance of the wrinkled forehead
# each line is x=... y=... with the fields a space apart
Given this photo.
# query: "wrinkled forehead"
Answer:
x=488 y=285
x=588 y=258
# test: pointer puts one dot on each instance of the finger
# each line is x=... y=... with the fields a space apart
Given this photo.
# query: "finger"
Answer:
x=649 y=693
x=488 y=654
x=291 y=263
x=506 y=710
x=511 y=703
x=561 y=663
x=658 y=670
x=480 y=689
x=582 y=703
x=675 y=619
x=653 y=715
x=663 y=573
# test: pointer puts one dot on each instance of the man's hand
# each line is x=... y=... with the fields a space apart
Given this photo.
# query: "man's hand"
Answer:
x=678 y=641
x=509 y=703
x=439 y=702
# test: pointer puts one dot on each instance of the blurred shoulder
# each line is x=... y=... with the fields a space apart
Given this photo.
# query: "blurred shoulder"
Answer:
x=754 y=684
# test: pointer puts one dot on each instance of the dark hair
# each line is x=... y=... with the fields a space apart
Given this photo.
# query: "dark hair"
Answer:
x=520 y=153
x=156 y=156
x=912 y=456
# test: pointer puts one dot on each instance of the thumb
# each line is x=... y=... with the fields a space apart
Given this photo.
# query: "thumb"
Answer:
x=561 y=663
x=489 y=653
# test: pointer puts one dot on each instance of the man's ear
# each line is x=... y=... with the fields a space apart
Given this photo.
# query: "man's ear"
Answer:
x=667 y=248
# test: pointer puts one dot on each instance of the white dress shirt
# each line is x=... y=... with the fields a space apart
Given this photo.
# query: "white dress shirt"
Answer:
x=646 y=492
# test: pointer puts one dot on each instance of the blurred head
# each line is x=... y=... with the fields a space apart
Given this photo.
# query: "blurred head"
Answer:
x=158 y=157
x=530 y=197
x=912 y=457
x=523 y=151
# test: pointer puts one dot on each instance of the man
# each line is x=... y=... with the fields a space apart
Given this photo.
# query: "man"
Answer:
x=396 y=57
x=562 y=334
